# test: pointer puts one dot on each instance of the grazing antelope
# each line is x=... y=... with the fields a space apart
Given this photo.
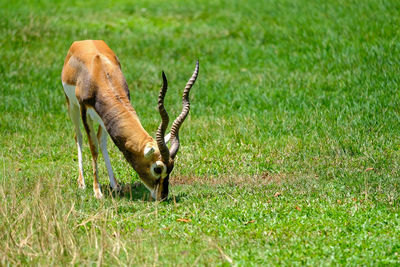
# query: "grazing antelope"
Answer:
x=96 y=90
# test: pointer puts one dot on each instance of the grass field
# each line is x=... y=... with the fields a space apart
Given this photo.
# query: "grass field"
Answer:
x=290 y=155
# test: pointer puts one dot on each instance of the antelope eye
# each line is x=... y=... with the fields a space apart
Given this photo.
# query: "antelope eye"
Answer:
x=157 y=170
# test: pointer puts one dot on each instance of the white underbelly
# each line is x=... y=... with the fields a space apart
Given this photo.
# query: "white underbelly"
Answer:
x=73 y=101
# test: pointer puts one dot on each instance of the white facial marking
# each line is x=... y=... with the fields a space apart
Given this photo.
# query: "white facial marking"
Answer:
x=163 y=168
x=152 y=191
x=153 y=194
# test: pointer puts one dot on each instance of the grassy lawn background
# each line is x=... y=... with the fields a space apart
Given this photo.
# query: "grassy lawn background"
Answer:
x=290 y=154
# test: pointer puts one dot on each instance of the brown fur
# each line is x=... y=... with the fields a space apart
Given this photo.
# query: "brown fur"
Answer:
x=95 y=70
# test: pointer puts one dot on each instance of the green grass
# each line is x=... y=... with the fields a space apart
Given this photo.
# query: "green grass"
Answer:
x=299 y=98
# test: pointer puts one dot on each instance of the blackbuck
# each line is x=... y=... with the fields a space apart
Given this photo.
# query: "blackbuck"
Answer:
x=96 y=90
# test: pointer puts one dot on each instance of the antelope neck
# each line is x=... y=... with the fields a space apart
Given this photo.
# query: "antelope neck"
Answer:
x=122 y=124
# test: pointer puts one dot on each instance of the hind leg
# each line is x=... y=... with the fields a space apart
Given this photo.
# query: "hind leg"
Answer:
x=74 y=114
x=94 y=149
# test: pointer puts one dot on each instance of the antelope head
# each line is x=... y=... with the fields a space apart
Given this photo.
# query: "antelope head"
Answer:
x=159 y=158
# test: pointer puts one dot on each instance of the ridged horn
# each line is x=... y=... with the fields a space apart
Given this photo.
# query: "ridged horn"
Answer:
x=164 y=121
x=185 y=111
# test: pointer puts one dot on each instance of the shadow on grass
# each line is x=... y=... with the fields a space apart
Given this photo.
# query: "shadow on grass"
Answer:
x=137 y=191
x=132 y=191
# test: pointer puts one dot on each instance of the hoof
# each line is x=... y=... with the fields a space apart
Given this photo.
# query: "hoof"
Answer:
x=81 y=182
x=98 y=194
x=117 y=188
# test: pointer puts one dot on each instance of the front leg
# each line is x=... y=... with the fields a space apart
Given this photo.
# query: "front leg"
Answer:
x=94 y=149
x=102 y=138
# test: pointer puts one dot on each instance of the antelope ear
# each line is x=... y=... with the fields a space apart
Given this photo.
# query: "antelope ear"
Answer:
x=148 y=152
x=166 y=138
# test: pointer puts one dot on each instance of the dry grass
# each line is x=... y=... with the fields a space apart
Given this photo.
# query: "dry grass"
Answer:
x=46 y=228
